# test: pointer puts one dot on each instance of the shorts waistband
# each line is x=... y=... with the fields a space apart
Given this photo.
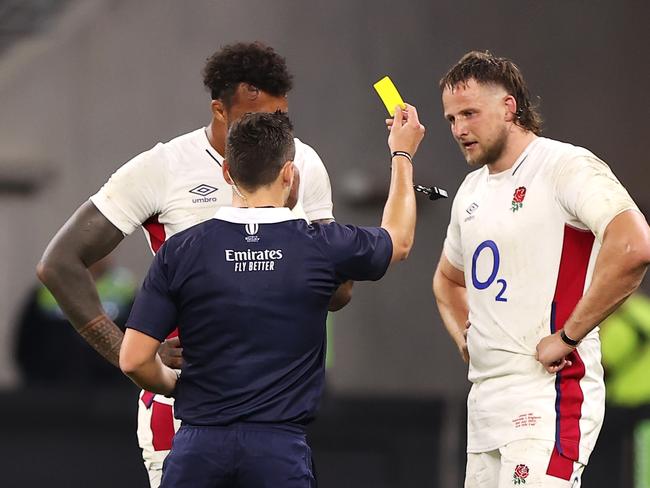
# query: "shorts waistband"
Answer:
x=252 y=426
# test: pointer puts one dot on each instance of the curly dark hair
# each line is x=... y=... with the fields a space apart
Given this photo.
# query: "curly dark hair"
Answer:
x=486 y=68
x=253 y=63
x=258 y=146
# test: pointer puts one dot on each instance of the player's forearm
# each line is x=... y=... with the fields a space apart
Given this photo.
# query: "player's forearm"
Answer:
x=619 y=270
x=72 y=285
x=151 y=375
x=104 y=336
x=615 y=278
x=74 y=289
x=400 y=210
x=451 y=299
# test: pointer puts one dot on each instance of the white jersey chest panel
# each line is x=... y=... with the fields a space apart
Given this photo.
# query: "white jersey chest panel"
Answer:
x=511 y=258
x=196 y=188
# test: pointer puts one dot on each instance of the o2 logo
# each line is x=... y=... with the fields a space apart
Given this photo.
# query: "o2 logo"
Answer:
x=489 y=246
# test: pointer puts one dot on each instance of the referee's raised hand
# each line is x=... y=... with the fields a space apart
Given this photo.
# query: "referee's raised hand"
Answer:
x=399 y=214
x=406 y=131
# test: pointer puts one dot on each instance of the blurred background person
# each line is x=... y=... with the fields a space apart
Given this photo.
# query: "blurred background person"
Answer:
x=625 y=437
x=49 y=352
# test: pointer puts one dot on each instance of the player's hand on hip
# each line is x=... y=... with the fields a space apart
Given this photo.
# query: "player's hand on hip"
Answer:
x=462 y=344
x=552 y=353
x=406 y=131
x=171 y=353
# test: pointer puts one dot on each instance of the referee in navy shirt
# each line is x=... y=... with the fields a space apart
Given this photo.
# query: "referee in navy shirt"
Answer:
x=249 y=291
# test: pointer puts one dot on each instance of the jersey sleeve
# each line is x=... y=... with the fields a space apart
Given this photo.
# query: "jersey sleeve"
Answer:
x=452 y=247
x=317 y=197
x=135 y=191
x=587 y=190
x=154 y=311
x=358 y=253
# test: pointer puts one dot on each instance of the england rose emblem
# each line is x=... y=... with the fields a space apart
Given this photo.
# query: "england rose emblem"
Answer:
x=521 y=470
x=518 y=198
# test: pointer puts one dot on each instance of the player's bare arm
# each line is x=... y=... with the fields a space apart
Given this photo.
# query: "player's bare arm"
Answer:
x=140 y=362
x=620 y=267
x=451 y=297
x=84 y=239
x=399 y=214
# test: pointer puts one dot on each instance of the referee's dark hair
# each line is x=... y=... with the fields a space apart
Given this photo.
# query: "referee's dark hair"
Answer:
x=257 y=147
x=253 y=63
x=486 y=68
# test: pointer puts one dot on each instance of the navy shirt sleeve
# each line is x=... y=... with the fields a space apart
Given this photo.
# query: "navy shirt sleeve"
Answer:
x=154 y=311
x=358 y=253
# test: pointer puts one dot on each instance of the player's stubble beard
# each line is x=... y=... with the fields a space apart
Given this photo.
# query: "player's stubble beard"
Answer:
x=490 y=154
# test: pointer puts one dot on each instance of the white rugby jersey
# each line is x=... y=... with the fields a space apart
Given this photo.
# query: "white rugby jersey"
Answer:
x=526 y=240
x=178 y=184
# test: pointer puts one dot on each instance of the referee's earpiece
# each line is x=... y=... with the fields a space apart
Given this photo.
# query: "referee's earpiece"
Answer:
x=225 y=170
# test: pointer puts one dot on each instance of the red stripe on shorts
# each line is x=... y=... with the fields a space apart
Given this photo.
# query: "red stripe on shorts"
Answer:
x=162 y=426
x=147 y=398
x=576 y=251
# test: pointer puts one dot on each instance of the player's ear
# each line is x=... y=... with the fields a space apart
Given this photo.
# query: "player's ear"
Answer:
x=511 y=108
x=225 y=170
x=218 y=111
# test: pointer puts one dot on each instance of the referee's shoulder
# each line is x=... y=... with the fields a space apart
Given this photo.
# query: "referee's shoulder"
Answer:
x=193 y=236
x=329 y=232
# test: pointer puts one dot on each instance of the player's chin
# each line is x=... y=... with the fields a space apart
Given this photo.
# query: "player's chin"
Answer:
x=473 y=162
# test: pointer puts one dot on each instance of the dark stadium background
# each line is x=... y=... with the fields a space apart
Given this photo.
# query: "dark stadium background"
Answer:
x=85 y=85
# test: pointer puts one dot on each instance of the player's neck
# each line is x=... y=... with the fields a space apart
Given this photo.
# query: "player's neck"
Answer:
x=216 y=133
x=517 y=142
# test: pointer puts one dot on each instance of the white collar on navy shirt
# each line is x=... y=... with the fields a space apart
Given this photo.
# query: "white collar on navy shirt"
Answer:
x=237 y=215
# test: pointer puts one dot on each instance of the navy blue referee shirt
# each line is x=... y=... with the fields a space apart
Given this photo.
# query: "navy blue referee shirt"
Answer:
x=248 y=291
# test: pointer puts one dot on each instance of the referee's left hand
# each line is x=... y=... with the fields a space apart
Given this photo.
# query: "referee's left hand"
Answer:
x=552 y=352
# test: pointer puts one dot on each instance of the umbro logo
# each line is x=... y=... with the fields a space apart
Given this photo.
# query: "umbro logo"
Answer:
x=470 y=211
x=252 y=230
x=203 y=190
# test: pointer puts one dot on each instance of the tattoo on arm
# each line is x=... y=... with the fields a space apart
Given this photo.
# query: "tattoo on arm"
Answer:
x=105 y=337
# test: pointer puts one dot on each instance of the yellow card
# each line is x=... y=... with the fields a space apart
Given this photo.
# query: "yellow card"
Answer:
x=389 y=95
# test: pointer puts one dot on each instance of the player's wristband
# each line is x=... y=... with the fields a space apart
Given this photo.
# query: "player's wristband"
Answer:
x=402 y=153
x=567 y=340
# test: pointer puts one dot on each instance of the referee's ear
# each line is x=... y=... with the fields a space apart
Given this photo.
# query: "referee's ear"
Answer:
x=287 y=173
x=225 y=170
